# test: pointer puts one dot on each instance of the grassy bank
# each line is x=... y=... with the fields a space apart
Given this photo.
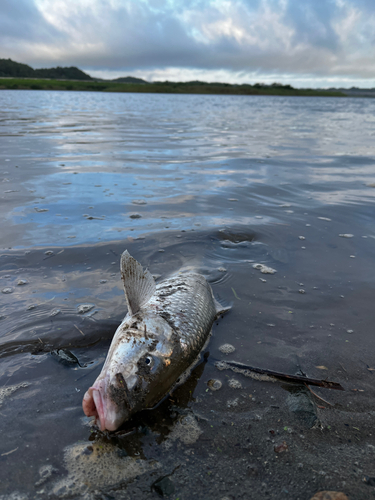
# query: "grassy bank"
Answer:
x=160 y=87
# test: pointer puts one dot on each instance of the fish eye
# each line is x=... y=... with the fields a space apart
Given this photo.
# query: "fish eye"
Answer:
x=148 y=360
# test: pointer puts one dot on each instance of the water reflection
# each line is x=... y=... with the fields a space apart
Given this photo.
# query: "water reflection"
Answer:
x=212 y=184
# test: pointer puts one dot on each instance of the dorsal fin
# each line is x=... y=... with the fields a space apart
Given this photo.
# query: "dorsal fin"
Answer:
x=139 y=285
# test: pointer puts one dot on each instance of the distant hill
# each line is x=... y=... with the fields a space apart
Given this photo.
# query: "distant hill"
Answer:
x=9 y=68
x=128 y=79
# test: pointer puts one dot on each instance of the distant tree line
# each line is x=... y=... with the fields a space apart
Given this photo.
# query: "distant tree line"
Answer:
x=12 y=69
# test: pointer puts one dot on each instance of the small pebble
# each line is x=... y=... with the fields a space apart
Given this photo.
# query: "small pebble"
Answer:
x=301 y=238
x=7 y=290
x=346 y=235
x=281 y=447
x=214 y=384
x=301 y=290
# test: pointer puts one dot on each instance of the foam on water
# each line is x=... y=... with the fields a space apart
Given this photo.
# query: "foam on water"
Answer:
x=185 y=430
x=8 y=390
x=97 y=466
x=227 y=348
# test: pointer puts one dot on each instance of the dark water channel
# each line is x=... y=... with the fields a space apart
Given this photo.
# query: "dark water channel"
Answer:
x=215 y=184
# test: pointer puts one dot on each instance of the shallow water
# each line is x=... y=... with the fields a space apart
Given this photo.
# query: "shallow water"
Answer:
x=214 y=184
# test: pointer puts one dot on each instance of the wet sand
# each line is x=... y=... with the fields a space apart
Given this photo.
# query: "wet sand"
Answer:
x=216 y=185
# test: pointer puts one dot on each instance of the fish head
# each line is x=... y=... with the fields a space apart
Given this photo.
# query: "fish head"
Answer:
x=142 y=364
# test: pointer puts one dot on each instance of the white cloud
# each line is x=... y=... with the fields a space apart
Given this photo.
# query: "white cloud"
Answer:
x=227 y=40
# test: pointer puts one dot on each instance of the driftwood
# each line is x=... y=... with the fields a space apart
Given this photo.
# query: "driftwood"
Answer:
x=282 y=376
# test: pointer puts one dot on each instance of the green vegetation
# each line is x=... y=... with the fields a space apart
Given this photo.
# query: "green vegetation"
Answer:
x=9 y=68
x=162 y=87
x=14 y=75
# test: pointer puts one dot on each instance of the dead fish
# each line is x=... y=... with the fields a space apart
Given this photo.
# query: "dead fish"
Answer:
x=156 y=345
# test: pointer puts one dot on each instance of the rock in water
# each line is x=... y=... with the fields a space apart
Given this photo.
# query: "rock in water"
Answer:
x=158 y=342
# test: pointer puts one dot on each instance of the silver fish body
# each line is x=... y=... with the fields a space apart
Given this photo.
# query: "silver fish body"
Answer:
x=160 y=338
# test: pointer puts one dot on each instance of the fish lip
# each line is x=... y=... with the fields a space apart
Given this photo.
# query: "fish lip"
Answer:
x=101 y=408
x=94 y=403
x=88 y=404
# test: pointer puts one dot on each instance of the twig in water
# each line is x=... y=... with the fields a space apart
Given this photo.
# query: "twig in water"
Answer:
x=315 y=394
x=283 y=376
x=80 y=331
x=9 y=452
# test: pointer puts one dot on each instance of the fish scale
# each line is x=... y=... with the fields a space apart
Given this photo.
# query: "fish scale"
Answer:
x=190 y=309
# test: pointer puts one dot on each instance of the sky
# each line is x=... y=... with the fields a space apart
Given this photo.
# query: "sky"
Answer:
x=305 y=43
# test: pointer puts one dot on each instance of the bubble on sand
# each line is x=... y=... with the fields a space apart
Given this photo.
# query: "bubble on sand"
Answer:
x=8 y=390
x=264 y=269
x=97 y=466
x=234 y=384
x=139 y=202
x=22 y=282
x=185 y=430
x=14 y=496
x=7 y=290
x=231 y=403
x=214 y=384
x=45 y=473
x=346 y=235
x=221 y=365
x=227 y=348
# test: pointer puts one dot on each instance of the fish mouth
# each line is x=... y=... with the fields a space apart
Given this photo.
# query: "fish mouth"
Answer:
x=107 y=413
x=94 y=404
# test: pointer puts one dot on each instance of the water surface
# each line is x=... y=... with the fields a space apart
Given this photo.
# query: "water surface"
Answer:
x=214 y=184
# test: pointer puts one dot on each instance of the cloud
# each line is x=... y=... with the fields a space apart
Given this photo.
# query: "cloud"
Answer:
x=309 y=39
